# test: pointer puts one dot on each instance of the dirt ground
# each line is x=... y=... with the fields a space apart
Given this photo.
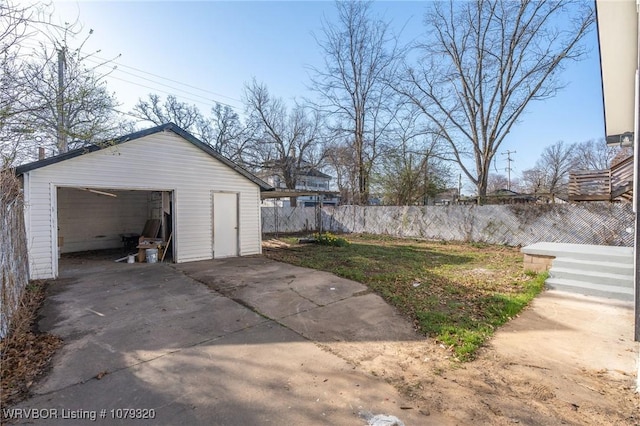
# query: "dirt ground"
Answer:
x=567 y=359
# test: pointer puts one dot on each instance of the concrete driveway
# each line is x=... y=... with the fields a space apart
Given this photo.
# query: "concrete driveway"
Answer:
x=154 y=337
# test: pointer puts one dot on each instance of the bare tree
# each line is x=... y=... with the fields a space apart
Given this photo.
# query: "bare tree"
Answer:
x=534 y=181
x=340 y=158
x=486 y=62
x=18 y=23
x=222 y=130
x=171 y=110
x=66 y=99
x=553 y=168
x=412 y=169
x=48 y=94
x=360 y=58
x=497 y=182
x=14 y=27
x=597 y=155
x=409 y=179
x=284 y=142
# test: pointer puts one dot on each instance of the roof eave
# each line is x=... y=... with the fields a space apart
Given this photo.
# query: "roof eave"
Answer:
x=140 y=134
x=618 y=51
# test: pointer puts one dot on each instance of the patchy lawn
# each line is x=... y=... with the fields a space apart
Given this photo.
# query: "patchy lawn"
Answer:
x=457 y=293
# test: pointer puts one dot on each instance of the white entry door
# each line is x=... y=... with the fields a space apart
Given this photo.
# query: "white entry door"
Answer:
x=225 y=225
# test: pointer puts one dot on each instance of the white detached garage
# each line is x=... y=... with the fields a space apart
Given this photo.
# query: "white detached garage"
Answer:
x=88 y=198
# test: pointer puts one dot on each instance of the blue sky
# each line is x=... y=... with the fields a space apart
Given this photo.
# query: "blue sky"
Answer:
x=218 y=46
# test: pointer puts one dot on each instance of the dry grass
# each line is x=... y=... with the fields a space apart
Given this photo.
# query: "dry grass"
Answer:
x=25 y=354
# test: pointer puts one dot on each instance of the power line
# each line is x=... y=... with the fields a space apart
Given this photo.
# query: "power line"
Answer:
x=171 y=80
x=105 y=62
x=203 y=99
x=171 y=93
x=156 y=82
x=207 y=99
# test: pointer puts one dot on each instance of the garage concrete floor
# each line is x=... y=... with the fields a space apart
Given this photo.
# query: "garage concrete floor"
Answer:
x=147 y=336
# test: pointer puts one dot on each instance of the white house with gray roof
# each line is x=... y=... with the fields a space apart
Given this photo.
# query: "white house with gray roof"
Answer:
x=87 y=199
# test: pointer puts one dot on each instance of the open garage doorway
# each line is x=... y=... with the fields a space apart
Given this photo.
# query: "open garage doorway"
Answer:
x=113 y=220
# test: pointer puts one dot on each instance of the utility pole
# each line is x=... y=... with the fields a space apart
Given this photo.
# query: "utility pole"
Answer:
x=509 y=160
x=62 y=137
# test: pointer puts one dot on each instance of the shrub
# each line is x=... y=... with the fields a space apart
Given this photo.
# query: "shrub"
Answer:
x=329 y=239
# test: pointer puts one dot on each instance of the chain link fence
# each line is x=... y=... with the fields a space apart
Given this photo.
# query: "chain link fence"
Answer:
x=514 y=225
x=13 y=249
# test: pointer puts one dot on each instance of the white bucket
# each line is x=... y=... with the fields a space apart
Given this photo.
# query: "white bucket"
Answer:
x=152 y=255
x=131 y=258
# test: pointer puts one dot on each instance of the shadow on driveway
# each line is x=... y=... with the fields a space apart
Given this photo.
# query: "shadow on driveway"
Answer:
x=146 y=336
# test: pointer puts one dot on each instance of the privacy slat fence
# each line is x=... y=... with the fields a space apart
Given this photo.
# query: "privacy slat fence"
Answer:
x=590 y=185
x=13 y=249
x=622 y=179
x=514 y=225
x=604 y=185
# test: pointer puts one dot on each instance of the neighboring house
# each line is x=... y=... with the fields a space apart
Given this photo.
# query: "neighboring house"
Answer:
x=313 y=185
x=502 y=196
x=507 y=196
x=618 y=35
x=447 y=197
x=88 y=198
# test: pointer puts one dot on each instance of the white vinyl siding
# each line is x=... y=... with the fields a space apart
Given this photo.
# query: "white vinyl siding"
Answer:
x=249 y=204
x=160 y=162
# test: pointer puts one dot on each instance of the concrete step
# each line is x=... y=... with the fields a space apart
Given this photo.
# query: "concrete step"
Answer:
x=623 y=268
x=582 y=252
x=589 y=289
x=603 y=271
x=592 y=277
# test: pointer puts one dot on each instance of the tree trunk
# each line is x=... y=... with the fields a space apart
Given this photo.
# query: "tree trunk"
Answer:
x=482 y=193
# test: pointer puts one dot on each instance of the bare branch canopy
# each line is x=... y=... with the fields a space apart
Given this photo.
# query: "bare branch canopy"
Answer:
x=485 y=63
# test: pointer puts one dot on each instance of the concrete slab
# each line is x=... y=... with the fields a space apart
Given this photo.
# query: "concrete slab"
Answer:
x=366 y=318
x=554 y=354
x=147 y=337
x=316 y=304
x=253 y=278
x=127 y=306
x=263 y=375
